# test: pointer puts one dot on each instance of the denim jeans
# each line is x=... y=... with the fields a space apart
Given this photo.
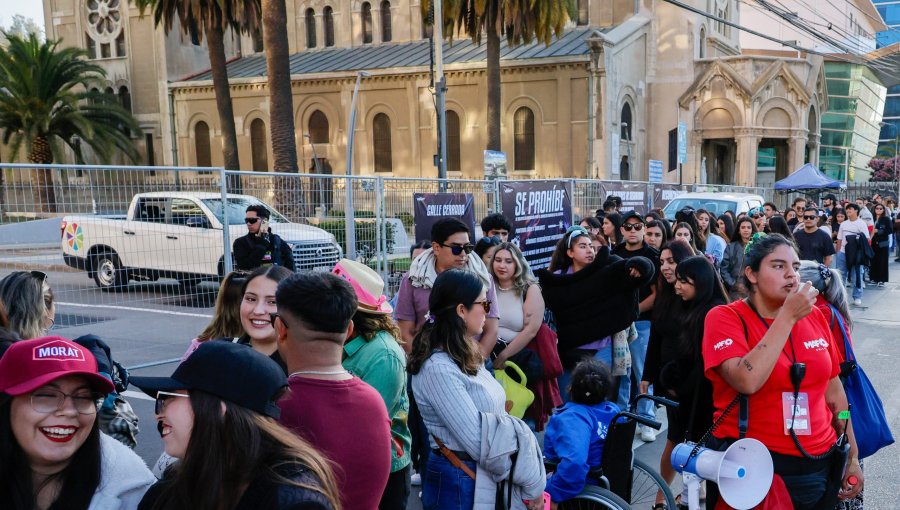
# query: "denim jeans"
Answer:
x=630 y=384
x=446 y=487
x=604 y=355
x=855 y=276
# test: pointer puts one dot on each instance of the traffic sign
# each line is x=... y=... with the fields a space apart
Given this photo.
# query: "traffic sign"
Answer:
x=682 y=142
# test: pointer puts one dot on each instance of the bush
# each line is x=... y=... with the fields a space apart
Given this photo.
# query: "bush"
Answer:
x=407 y=218
x=365 y=235
x=335 y=213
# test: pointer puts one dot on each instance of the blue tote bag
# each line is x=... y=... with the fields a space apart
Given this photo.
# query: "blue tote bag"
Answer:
x=870 y=425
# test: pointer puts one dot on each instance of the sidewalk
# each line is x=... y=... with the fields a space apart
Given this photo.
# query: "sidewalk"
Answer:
x=880 y=304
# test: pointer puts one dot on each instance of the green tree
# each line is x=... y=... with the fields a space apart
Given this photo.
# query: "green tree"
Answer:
x=212 y=18
x=521 y=21
x=288 y=194
x=46 y=105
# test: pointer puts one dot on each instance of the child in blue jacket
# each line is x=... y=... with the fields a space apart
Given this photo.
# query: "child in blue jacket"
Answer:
x=576 y=432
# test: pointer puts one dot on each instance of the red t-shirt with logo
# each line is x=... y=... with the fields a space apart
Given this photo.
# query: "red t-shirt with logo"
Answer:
x=724 y=339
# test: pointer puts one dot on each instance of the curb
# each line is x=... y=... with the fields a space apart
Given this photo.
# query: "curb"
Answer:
x=32 y=246
x=39 y=266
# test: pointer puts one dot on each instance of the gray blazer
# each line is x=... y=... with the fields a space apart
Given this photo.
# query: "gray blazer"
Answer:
x=732 y=264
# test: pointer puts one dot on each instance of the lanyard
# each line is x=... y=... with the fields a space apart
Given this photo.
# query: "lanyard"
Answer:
x=793 y=356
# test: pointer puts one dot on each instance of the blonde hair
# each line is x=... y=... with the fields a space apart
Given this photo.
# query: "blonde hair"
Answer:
x=522 y=278
x=226 y=322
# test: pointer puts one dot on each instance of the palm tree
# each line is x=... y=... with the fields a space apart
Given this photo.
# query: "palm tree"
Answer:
x=281 y=106
x=520 y=21
x=212 y=18
x=46 y=105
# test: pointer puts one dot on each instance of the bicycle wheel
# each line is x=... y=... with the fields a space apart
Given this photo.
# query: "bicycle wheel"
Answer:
x=645 y=483
x=595 y=498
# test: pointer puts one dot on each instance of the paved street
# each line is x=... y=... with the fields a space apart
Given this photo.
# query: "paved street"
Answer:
x=152 y=324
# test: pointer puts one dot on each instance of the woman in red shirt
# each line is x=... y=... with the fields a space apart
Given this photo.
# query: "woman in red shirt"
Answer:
x=750 y=346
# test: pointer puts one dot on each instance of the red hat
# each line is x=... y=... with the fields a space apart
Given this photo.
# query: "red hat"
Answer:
x=30 y=364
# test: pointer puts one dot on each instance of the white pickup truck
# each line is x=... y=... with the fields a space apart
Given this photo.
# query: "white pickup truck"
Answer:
x=178 y=235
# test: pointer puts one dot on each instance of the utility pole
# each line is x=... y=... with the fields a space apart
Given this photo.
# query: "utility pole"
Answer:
x=349 y=219
x=440 y=85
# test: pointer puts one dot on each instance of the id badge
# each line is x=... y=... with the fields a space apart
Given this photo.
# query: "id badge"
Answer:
x=796 y=411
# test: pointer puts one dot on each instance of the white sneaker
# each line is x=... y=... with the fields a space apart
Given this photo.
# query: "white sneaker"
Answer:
x=415 y=479
x=648 y=435
x=857 y=302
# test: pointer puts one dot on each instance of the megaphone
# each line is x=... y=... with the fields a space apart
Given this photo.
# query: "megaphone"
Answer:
x=743 y=471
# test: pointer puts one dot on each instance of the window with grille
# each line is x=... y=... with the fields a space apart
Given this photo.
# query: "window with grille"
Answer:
x=120 y=45
x=328 y=15
x=366 y=23
x=260 y=151
x=582 y=12
x=385 y=21
x=318 y=127
x=523 y=149
x=202 y=145
x=381 y=142
x=453 y=142
x=310 y=28
x=625 y=122
x=125 y=97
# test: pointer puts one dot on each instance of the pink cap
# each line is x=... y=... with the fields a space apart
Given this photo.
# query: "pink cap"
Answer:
x=30 y=364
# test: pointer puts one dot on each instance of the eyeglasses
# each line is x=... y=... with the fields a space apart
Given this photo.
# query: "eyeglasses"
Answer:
x=486 y=304
x=807 y=217
x=162 y=399
x=48 y=400
x=457 y=249
x=633 y=226
x=251 y=221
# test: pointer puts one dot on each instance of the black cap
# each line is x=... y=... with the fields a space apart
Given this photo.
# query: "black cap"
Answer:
x=632 y=214
x=831 y=197
x=228 y=370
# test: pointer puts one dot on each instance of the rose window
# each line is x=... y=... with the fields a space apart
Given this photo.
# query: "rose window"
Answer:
x=103 y=19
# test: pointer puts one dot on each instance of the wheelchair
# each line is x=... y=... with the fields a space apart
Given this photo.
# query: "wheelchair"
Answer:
x=622 y=482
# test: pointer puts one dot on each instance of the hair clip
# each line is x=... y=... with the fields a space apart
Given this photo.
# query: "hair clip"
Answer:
x=429 y=318
x=587 y=393
x=756 y=237
x=824 y=272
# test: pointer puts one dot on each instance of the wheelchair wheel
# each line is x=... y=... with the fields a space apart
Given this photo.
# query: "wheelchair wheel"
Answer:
x=595 y=498
x=645 y=483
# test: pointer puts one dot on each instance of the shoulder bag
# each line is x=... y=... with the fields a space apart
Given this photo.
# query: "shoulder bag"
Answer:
x=870 y=425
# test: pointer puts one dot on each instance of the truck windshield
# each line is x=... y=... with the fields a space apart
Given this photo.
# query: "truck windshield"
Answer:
x=714 y=206
x=237 y=207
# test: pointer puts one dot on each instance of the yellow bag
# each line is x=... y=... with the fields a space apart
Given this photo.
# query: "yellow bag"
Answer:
x=518 y=397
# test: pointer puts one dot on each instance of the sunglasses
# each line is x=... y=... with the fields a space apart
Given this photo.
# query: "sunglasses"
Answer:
x=755 y=216
x=457 y=249
x=162 y=397
x=251 y=221
x=805 y=217
x=633 y=226
x=486 y=304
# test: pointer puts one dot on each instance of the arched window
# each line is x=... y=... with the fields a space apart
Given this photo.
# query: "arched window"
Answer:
x=328 y=14
x=523 y=122
x=259 y=155
x=318 y=127
x=125 y=97
x=625 y=122
x=385 y=21
x=366 y=23
x=310 y=28
x=201 y=144
x=120 y=44
x=381 y=142
x=453 y=142
x=110 y=91
x=582 y=12
x=703 y=43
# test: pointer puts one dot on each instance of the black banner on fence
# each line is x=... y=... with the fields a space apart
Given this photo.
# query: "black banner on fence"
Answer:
x=541 y=211
x=665 y=193
x=430 y=207
x=633 y=194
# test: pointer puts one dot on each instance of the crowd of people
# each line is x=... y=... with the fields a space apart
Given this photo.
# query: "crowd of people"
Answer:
x=314 y=390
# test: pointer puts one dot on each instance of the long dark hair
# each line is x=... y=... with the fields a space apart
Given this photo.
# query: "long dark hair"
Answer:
x=444 y=329
x=667 y=304
x=833 y=219
x=616 y=220
x=699 y=238
x=709 y=293
x=693 y=229
x=729 y=227
x=560 y=260
x=778 y=225
x=228 y=450
x=78 y=480
x=736 y=233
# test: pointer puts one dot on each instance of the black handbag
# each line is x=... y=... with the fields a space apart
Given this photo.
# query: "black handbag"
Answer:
x=526 y=359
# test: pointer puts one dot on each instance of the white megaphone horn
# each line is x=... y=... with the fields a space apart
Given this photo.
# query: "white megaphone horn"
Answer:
x=743 y=471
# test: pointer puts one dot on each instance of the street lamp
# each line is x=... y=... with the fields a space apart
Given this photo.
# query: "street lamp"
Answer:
x=350 y=221
x=896 y=152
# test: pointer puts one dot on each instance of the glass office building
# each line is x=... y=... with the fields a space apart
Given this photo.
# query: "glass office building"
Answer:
x=890 y=13
x=850 y=129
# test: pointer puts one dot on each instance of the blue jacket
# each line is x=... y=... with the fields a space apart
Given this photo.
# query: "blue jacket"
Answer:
x=574 y=437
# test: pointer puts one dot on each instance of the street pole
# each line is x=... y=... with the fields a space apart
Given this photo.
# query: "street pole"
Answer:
x=440 y=92
x=349 y=219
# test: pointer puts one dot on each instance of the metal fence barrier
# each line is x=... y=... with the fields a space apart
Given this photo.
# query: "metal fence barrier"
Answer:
x=157 y=240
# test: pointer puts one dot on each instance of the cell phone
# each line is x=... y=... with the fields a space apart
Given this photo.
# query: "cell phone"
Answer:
x=265 y=224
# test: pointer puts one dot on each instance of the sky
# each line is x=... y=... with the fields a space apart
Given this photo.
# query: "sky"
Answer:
x=33 y=9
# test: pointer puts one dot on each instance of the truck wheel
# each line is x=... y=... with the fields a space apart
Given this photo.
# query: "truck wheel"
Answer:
x=108 y=272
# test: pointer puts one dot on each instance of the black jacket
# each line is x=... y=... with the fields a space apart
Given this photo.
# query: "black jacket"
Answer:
x=597 y=301
x=250 y=250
